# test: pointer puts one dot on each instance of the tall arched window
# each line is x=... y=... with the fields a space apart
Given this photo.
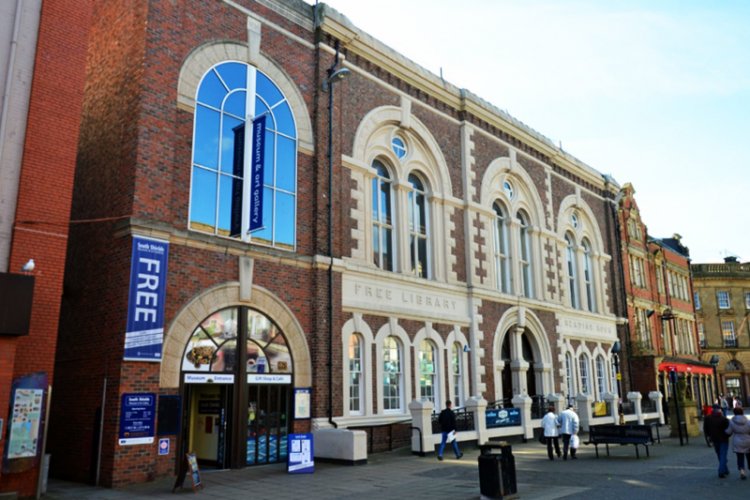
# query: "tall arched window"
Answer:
x=601 y=377
x=569 y=379
x=524 y=256
x=220 y=199
x=382 y=221
x=419 y=244
x=457 y=374
x=428 y=382
x=572 y=271
x=502 y=261
x=392 y=375
x=588 y=276
x=583 y=371
x=355 y=374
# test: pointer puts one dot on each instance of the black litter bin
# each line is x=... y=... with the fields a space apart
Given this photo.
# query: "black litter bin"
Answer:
x=497 y=471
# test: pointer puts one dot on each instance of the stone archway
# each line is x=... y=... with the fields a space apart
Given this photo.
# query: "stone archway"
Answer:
x=227 y=295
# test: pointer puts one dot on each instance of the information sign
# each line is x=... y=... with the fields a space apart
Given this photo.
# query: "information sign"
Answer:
x=300 y=458
x=137 y=415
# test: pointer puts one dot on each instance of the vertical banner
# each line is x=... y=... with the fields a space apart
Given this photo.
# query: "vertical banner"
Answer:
x=148 y=276
x=256 y=173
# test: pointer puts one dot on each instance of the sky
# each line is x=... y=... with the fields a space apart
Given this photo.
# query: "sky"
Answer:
x=654 y=93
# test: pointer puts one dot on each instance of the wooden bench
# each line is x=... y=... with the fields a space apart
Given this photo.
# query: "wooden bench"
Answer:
x=621 y=434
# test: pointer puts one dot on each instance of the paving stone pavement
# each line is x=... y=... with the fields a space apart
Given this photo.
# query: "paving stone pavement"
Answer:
x=672 y=471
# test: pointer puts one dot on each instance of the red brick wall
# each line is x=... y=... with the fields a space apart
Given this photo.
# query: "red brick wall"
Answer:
x=45 y=190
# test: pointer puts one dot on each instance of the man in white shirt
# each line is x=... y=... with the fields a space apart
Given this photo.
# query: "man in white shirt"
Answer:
x=569 y=424
x=549 y=427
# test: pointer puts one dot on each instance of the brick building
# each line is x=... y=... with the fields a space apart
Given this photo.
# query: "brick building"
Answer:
x=451 y=252
x=42 y=59
x=722 y=303
x=662 y=328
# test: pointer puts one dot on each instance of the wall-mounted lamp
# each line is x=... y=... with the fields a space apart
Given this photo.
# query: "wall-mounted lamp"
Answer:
x=335 y=76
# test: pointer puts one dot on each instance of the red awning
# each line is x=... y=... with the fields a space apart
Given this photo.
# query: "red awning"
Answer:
x=666 y=366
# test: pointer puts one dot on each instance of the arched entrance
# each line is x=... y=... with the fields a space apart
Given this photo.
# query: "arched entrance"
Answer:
x=237 y=386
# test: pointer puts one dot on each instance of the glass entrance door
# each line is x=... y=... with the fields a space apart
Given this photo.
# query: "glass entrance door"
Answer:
x=210 y=411
x=268 y=415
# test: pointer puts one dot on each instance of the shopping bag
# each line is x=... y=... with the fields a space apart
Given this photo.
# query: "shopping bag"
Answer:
x=575 y=441
x=450 y=437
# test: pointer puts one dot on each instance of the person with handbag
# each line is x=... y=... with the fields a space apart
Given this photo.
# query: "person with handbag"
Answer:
x=739 y=429
x=550 y=432
x=447 y=421
x=715 y=426
x=569 y=424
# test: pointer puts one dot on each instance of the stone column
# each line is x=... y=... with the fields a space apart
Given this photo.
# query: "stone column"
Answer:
x=614 y=406
x=478 y=405
x=583 y=401
x=635 y=398
x=656 y=397
x=523 y=402
x=421 y=418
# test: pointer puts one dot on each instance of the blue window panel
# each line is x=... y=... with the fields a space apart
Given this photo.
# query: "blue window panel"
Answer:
x=261 y=108
x=284 y=120
x=227 y=143
x=268 y=159
x=234 y=74
x=203 y=198
x=285 y=219
x=206 y=143
x=225 y=204
x=285 y=162
x=235 y=104
x=211 y=91
x=266 y=89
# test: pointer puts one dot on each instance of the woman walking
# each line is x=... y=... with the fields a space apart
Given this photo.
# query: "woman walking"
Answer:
x=739 y=429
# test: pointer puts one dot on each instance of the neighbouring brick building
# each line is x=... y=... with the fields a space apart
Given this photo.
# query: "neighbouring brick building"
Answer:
x=450 y=253
x=661 y=316
x=722 y=303
x=42 y=60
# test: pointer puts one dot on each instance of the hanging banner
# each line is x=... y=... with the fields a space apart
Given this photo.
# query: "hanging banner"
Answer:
x=148 y=280
x=256 y=173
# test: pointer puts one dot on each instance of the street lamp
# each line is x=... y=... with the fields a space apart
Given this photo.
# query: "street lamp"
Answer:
x=334 y=75
x=714 y=363
x=616 y=348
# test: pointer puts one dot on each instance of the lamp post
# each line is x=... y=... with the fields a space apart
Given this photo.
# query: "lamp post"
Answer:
x=616 y=348
x=333 y=75
x=714 y=363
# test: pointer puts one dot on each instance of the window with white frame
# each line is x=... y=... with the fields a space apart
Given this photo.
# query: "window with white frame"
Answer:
x=722 y=299
x=502 y=258
x=747 y=300
x=398 y=145
x=697 y=300
x=727 y=331
x=428 y=384
x=219 y=196
x=419 y=244
x=457 y=374
x=702 y=335
x=588 y=276
x=355 y=374
x=569 y=379
x=525 y=256
x=583 y=371
x=637 y=273
x=659 y=279
x=382 y=217
x=643 y=324
x=601 y=377
x=613 y=380
x=570 y=254
x=392 y=375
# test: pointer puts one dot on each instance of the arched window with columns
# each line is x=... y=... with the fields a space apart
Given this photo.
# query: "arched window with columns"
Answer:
x=382 y=217
x=502 y=257
x=419 y=230
x=393 y=377
x=525 y=256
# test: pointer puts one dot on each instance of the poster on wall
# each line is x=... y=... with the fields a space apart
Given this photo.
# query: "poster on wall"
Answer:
x=144 y=332
x=302 y=402
x=137 y=416
x=25 y=425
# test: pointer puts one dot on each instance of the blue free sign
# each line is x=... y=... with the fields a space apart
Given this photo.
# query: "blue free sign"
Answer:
x=503 y=417
x=137 y=415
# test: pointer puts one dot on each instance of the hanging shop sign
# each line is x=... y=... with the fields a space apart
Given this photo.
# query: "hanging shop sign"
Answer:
x=137 y=416
x=269 y=378
x=256 y=173
x=209 y=378
x=148 y=279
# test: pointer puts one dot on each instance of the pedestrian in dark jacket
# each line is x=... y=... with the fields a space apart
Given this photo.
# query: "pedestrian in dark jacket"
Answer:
x=715 y=426
x=739 y=429
x=447 y=421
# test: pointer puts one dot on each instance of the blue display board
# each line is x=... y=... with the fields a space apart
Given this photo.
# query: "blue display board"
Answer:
x=144 y=331
x=137 y=415
x=300 y=458
x=503 y=417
